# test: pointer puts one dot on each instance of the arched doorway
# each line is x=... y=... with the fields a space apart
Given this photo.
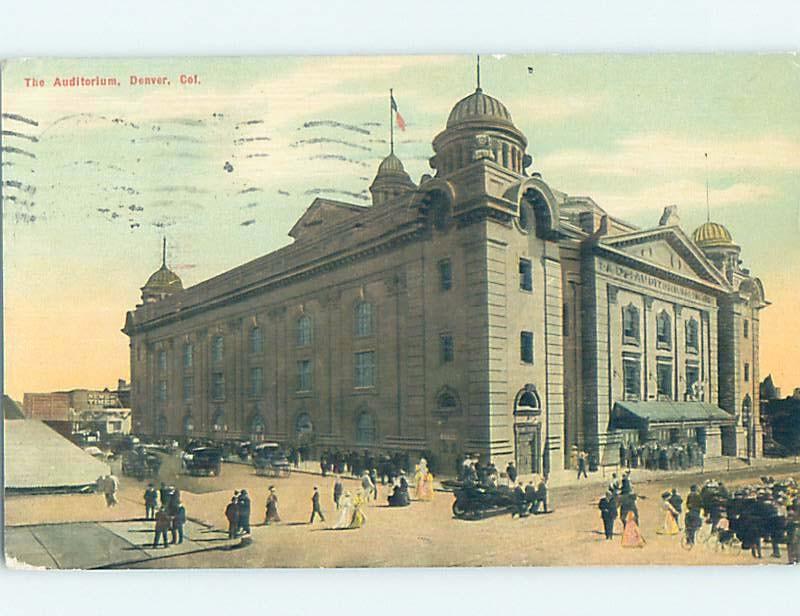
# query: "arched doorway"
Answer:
x=528 y=431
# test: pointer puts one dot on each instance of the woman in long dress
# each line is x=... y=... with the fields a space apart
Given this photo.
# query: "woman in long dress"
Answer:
x=359 y=519
x=272 y=508
x=670 y=526
x=631 y=536
x=346 y=509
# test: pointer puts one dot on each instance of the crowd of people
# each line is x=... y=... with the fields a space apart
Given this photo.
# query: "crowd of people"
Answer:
x=768 y=511
x=384 y=468
x=472 y=471
x=531 y=498
x=163 y=505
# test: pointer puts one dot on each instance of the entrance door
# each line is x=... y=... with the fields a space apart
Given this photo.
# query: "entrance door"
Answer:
x=527 y=445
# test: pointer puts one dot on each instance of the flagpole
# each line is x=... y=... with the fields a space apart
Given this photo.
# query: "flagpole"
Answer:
x=391 y=123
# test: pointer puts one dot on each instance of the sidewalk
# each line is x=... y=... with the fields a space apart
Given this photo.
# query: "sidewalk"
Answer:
x=104 y=544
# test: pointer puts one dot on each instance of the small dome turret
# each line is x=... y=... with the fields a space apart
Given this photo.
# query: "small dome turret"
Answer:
x=711 y=234
x=391 y=180
x=162 y=283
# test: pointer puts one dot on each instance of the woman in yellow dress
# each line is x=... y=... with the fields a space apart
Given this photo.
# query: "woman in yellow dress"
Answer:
x=359 y=519
x=670 y=526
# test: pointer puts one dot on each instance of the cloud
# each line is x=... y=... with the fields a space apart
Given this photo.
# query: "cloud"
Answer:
x=667 y=154
x=686 y=194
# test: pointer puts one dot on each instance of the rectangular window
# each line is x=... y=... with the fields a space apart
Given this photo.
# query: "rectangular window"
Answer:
x=217 y=349
x=746 y=372
x=365 y=369
x=162 y=361
x=255 y=341
x=447 y=350
x=304 y=375
x=630 y=325
x=188 y=356
x=162 y=391
x=632 y=376
x=565 y=320
x=692 y=380
x=525 y=275
x=256 y=382
x=188 y=387
x=218 y=386
x=526 y=347
x=664 y=379
x=746 y=328
x=692 y=335
x=445 y=275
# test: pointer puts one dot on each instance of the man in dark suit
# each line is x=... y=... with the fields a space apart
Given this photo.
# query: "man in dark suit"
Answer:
x=315 y=508
x=511 y=473
x=608 y=513
x=244 y=512
x=178 y=520
x=150 y=502
x=530 y=497
x=520 y=508
x=627 y=503
x=232 y=515
x=338 y=490
x=541 y=496
x=162 y=526
x=676 y=501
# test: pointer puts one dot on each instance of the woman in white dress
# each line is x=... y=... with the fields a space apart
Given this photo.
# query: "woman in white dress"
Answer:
x=346 y=510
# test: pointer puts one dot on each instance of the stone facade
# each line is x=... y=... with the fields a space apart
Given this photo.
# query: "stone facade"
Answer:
x=477 y=312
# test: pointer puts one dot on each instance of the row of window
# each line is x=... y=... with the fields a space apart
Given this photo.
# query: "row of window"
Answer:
x=364 y=326
x=632 y=377
x=631 y=333
x=525 y=275
x=363 y=376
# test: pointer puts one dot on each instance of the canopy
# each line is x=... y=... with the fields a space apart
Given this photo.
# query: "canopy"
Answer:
x=638 y=414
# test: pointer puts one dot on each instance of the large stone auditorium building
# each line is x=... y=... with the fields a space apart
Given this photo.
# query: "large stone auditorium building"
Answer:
x=479 y=311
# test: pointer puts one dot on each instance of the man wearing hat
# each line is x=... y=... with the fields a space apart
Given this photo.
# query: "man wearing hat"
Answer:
x=232 y=515
x=315 y=507
x=608 y=512
x=244 y=512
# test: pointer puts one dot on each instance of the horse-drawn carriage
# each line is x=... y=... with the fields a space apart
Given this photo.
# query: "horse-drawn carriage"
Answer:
x=270 y=460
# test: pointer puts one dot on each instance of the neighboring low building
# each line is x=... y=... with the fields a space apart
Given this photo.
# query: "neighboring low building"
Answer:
x=107 y=422
x=781 y=417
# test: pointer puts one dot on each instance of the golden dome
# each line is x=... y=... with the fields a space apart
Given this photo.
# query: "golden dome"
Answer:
x=711 y=234
x=164 y=279
x=479 y=107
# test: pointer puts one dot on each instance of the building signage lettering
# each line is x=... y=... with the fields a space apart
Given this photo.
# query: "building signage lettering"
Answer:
x=647 y=280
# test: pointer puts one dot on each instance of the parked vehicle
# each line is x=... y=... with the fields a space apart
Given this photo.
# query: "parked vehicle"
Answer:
x=203 y=461
x=141 y=462
x=269 y=459
x=473 y=502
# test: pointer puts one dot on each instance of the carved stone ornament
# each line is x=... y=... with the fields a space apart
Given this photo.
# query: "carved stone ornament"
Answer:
x=483 y=148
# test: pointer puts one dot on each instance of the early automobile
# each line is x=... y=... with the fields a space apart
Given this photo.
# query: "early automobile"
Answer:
x=203 y=461
x=141 y=462
x=474 y=501
x=269 y=459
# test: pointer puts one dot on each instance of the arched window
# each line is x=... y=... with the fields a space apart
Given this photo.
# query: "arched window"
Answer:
x=663 y=330
x=447 y=401
x=256 y=342
x=692 y=335
x=304 y=330
x=363 y=319
x=188 y=424
x=528 y=401
x=218 y=421
x=365 y=429
x=303 y=425
x=630 y=324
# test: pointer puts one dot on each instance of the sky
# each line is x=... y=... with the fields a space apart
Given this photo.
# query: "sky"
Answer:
x=94 y=177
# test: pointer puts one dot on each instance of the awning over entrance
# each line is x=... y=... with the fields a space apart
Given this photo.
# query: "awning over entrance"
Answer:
x=635 y=414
